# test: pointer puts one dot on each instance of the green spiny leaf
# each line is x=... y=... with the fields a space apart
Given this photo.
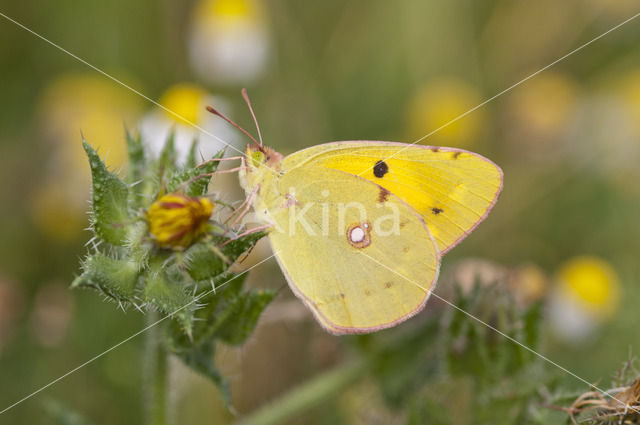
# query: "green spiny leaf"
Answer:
x=115 y=278
x=135 y=148
x=245 y=310
x=215 y=310
x=167 y=159
x=139 y=248
x=192 y=161
x=155 y=172
x=169 y=297
x=200 y=187
x=110 y=197
x=200 y=359
x=237 y=247
x=194 y=181
x=202 y=263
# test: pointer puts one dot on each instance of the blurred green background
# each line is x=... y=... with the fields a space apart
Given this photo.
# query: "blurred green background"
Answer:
x=568 y=141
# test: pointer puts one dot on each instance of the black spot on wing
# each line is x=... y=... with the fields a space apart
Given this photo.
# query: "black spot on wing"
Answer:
x=436 y=211
x=380 y=169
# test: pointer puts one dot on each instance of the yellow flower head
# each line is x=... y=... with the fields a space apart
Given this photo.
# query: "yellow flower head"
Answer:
x=186 y=101
x=229 y=41
x=591 y=282
x=227 y=10
x=68 y=104
x=176 y=220
x=232 y=8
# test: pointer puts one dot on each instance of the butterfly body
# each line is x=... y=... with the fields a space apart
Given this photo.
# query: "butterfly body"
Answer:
x=359 y=227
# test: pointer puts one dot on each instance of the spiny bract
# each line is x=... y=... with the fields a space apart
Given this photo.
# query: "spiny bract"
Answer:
x=178 y=267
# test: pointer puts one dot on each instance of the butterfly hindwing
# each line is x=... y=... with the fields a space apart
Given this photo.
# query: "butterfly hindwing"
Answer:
x=379 y=277
x=452 y=189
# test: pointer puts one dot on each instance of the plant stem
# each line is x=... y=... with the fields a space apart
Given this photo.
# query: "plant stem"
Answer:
x=329 y=384
x=307 y=395
x=155 y=371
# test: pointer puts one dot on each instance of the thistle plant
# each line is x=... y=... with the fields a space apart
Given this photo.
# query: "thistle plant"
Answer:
x=158 y=247
x=447 y=368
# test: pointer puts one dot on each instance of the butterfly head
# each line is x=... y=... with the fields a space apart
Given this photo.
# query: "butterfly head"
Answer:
x=262 y=156
x=262 y=165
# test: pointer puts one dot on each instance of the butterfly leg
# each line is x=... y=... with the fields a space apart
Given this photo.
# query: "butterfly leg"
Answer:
x=231 y=170
x=231 y=158
x=248 y=232
x=216 y=250
x=244 y=207
x=219 y=202
x=199 y=176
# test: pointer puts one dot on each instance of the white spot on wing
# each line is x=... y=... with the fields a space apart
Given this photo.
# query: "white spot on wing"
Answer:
x=357 y=235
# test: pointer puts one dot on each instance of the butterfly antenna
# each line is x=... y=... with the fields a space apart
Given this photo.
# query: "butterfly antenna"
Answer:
x=215 y=112
x=246 y=99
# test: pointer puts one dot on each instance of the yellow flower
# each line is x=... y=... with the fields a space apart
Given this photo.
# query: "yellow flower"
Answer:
x=439 y=102
x=176 y=220
x=592 y=283
x=229 y=41
x=188 y=101
x=94 y=105
x=230 y=9
x=69 y=104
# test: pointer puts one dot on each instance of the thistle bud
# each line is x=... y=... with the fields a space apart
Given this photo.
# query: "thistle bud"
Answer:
x=176 y=220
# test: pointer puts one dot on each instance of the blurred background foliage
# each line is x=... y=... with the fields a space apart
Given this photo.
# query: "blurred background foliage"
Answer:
x=564 y=235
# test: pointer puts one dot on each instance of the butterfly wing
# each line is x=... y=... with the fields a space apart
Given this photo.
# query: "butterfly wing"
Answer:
x=354 y=281
x=452 y=189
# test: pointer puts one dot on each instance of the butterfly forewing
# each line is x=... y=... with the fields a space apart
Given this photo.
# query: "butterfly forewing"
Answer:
x=452 y=189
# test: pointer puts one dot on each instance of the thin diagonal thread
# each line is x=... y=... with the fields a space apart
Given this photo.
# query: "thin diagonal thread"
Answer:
x=498 y=331
x=111 y=77
x=227 y=144
x=511 y=87
x=91 y=360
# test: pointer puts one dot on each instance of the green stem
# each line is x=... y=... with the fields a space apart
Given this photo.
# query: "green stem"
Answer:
x=155 y=370
x=329 y=384
x=307 y=395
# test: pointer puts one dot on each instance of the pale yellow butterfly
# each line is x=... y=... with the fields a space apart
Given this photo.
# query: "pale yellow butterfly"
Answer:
x=359 y=227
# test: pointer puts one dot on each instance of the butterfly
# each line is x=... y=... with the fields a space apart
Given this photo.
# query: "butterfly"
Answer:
x=359 y=227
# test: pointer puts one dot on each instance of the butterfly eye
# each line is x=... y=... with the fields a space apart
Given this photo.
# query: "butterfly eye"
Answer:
x=257 y=158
